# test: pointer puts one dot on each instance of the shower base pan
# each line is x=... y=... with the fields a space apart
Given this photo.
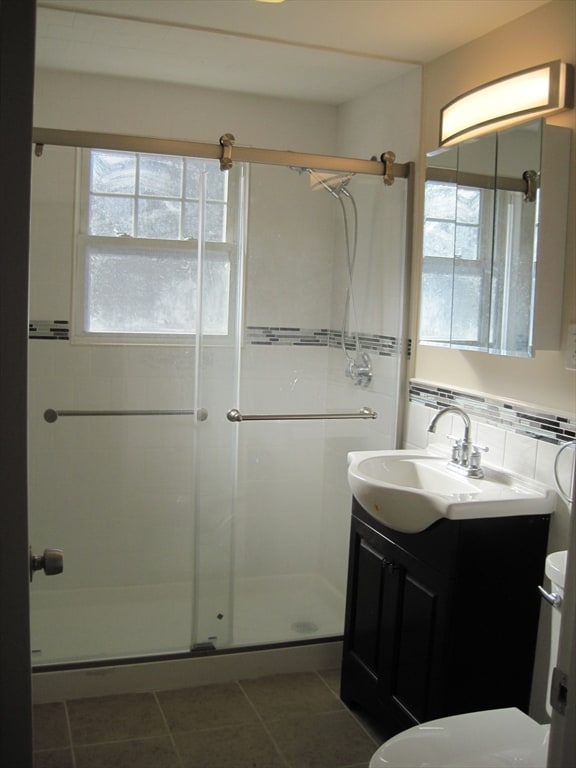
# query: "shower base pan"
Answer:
x=92 y=626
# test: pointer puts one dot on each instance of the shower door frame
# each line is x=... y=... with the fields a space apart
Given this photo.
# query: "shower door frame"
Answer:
x=17 y=25
x=385 y=167
x=266 y=157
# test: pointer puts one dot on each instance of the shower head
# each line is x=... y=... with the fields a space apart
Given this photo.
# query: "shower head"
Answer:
x=335 y=183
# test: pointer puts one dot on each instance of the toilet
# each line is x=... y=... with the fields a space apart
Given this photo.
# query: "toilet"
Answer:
x=495 y=738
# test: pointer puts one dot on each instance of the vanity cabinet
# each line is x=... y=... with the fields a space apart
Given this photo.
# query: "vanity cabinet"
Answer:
x=443 y=621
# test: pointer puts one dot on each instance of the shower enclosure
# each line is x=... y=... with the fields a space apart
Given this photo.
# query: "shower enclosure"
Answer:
x=195 y=475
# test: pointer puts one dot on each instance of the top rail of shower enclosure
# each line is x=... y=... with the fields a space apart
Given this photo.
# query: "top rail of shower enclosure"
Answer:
x=225 y=151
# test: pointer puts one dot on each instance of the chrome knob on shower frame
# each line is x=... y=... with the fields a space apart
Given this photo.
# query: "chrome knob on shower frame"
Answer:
x=51 y=561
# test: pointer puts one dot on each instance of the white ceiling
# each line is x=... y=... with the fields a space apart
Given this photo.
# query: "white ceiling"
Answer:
x=322 y=50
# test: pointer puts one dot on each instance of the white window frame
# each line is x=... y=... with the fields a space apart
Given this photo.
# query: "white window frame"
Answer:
x=229 y=249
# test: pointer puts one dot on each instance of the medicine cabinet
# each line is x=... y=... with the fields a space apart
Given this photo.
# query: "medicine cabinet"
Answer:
x=494 y=241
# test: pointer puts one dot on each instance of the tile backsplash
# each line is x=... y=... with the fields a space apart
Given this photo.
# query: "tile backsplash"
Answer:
x=506 y=415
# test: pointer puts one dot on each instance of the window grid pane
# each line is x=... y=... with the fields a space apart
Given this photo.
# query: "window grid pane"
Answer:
x=111 y=215
x=468 y=206
x=155 y=196
x=452 y=220
x=158 y=218
x=113 y=172
x=160 y=176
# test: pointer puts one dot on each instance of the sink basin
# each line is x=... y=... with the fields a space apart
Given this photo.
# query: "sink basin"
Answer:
x=409 y=490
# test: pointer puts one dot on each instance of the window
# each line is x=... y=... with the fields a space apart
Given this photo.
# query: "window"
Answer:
x=137 y=247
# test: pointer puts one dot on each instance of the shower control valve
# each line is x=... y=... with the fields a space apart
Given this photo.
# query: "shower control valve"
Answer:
x=360 y=369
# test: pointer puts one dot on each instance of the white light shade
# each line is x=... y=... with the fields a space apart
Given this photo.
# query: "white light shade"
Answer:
x=524 y=95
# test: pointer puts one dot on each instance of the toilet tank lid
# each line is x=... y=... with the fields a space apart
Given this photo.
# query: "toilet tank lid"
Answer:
x=556 y=567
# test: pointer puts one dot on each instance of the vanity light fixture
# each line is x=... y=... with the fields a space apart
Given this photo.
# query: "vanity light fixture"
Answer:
x=533 y=92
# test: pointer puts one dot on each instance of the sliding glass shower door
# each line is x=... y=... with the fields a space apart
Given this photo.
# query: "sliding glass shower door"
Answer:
x=135 y=262
x=190 y=295
x=299 y=410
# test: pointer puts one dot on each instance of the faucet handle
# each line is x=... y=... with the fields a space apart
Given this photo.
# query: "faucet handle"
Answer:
x=456 y=453
x=475 y=457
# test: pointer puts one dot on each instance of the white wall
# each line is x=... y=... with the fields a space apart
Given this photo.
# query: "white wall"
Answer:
x=139 y=107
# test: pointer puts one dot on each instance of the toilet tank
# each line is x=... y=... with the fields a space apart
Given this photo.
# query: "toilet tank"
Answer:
x=556 y=572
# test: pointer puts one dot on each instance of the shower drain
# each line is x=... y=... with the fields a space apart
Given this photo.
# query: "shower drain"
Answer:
x=304 y=627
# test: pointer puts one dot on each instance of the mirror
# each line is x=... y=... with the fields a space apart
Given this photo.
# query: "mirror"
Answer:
x=483 y=225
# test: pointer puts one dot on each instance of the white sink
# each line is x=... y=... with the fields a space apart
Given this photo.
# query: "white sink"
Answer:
x=410 y=490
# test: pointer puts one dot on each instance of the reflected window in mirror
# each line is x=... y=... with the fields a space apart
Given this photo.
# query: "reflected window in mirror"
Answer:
x=452 y=231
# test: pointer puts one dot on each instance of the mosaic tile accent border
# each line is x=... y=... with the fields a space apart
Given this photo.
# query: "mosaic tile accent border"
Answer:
x=49 y=329
x=377 y=344
x=511 y=416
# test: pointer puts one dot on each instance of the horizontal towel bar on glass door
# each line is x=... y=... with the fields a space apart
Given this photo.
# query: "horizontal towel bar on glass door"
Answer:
x=363 y=413
x=51 y=415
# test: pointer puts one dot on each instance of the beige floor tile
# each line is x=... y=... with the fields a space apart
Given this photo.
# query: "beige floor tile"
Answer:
x=53 y=758
x=207 y=706
x=330 y=740
x=332 y=679
x=282 y=695
x=138 y=753
x=247 y=746
x=50 y=726
x=111 y=718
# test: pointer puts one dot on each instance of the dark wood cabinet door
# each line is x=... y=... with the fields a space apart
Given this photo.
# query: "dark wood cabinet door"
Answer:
x=416 y=619
x=394 y=632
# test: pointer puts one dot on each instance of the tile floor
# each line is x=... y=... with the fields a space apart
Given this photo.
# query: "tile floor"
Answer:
x=278 y=721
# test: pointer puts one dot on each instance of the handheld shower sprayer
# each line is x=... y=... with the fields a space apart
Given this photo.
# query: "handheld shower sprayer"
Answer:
x=359 y=366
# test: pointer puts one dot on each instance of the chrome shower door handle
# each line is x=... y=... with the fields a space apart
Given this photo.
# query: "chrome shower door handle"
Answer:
x=51 y=561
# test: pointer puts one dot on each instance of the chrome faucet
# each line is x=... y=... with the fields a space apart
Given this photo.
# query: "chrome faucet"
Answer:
x=465 y=457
